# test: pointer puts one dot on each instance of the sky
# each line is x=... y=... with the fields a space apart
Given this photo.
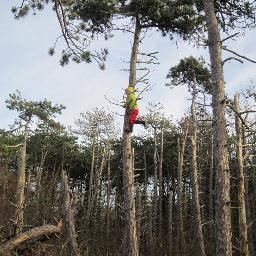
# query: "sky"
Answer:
x=26 y=66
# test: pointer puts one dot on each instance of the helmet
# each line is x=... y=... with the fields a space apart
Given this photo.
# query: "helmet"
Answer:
x=131 y=89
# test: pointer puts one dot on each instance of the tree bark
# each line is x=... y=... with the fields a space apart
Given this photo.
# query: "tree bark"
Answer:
x=181 y=149
x=69 y=215
x=90 y=189
x=170 y=227
x=161 y=181
x=20 y=194
x=210 y=228
x=138 y=214
x=223 y=206
x=155 y=195
x=195 y=187
x=32 y=235
x=128 y=177
x=108 y=193
x=241 y=186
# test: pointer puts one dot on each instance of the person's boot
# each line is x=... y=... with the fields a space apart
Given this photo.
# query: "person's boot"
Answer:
x=129 y=128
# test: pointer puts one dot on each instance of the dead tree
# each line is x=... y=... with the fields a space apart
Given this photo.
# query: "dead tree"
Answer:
x=20 y=194
x=195 y=187
x=181 y=148
x=241 y=183
x=69 y=215
x=31 y=236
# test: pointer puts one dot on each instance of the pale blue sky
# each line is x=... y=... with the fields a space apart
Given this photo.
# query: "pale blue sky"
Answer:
x=25 y=65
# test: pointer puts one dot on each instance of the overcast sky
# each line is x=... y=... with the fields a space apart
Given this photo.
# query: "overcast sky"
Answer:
x=25 y=65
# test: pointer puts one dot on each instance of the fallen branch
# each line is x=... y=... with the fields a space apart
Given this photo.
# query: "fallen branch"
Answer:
x=32 y=235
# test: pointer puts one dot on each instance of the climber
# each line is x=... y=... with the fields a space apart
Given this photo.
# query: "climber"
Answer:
x=132 y=108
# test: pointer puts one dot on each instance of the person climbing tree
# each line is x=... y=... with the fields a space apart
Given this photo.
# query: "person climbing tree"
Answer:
x=133 y=109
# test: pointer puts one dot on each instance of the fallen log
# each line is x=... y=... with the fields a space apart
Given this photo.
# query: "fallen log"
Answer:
x=31 y=235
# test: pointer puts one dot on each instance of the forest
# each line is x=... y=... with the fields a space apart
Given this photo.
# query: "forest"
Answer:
x=184 y=187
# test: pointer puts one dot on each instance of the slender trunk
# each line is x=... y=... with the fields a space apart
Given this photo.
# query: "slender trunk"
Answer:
x=138 y=213
x=161 y=181
x=195 y=187
x=241 y=185
x=39 y=173
x=223 y=205
x=98 y=175
x=131 y=248
x=20 y=193
x=89 y=198
x=181 y=149
x=170 y=228
x=154 y=220
x=69 y=215
x=249 y=210
x=210 y=229
x=145 y=177
x=108 y=193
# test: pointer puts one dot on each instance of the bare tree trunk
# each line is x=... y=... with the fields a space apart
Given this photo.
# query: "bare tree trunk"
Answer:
x=155 y=195
x=128 y=176
x=195 y=187
x=210 y=228
x=170 y=227
x=108 y=193
x=145 y=177
x=241 y=185
x=29 y=236
x=20 y=194
x=249 y=210
x=69 y=215
x=180 y=229
x=138 y=214
x=161 y=182
x=223 y=204
x=90 y=189
x=98 y=175
x=39 y=174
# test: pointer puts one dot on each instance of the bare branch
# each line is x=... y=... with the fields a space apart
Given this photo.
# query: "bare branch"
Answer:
x=15 y=146
x=240 y=56
x=117 y=104
x=229 y=37
x=231 y=58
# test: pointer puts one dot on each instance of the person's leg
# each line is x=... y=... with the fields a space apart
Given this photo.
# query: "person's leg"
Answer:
x=133 y=116
x=132 y=119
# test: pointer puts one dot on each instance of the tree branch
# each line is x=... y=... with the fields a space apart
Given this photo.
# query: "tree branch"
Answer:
x=231 y=58
x=240 y=56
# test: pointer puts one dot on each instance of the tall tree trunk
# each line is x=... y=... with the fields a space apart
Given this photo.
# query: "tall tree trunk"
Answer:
x=128 y=176
x=138 y=214
x=108 y=193
x=223 y=206
x=155 y=197
x=69 y=215
x=241 y=185
x=161 y=181
x=98 y=174
x=211 y=243
x=170 y=227
x=90 y=189
x=180 y=229
x=249 y=210
x=195 y=187
x=21 y=179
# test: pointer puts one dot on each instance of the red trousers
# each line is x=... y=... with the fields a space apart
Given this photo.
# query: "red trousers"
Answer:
x=133 y=116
